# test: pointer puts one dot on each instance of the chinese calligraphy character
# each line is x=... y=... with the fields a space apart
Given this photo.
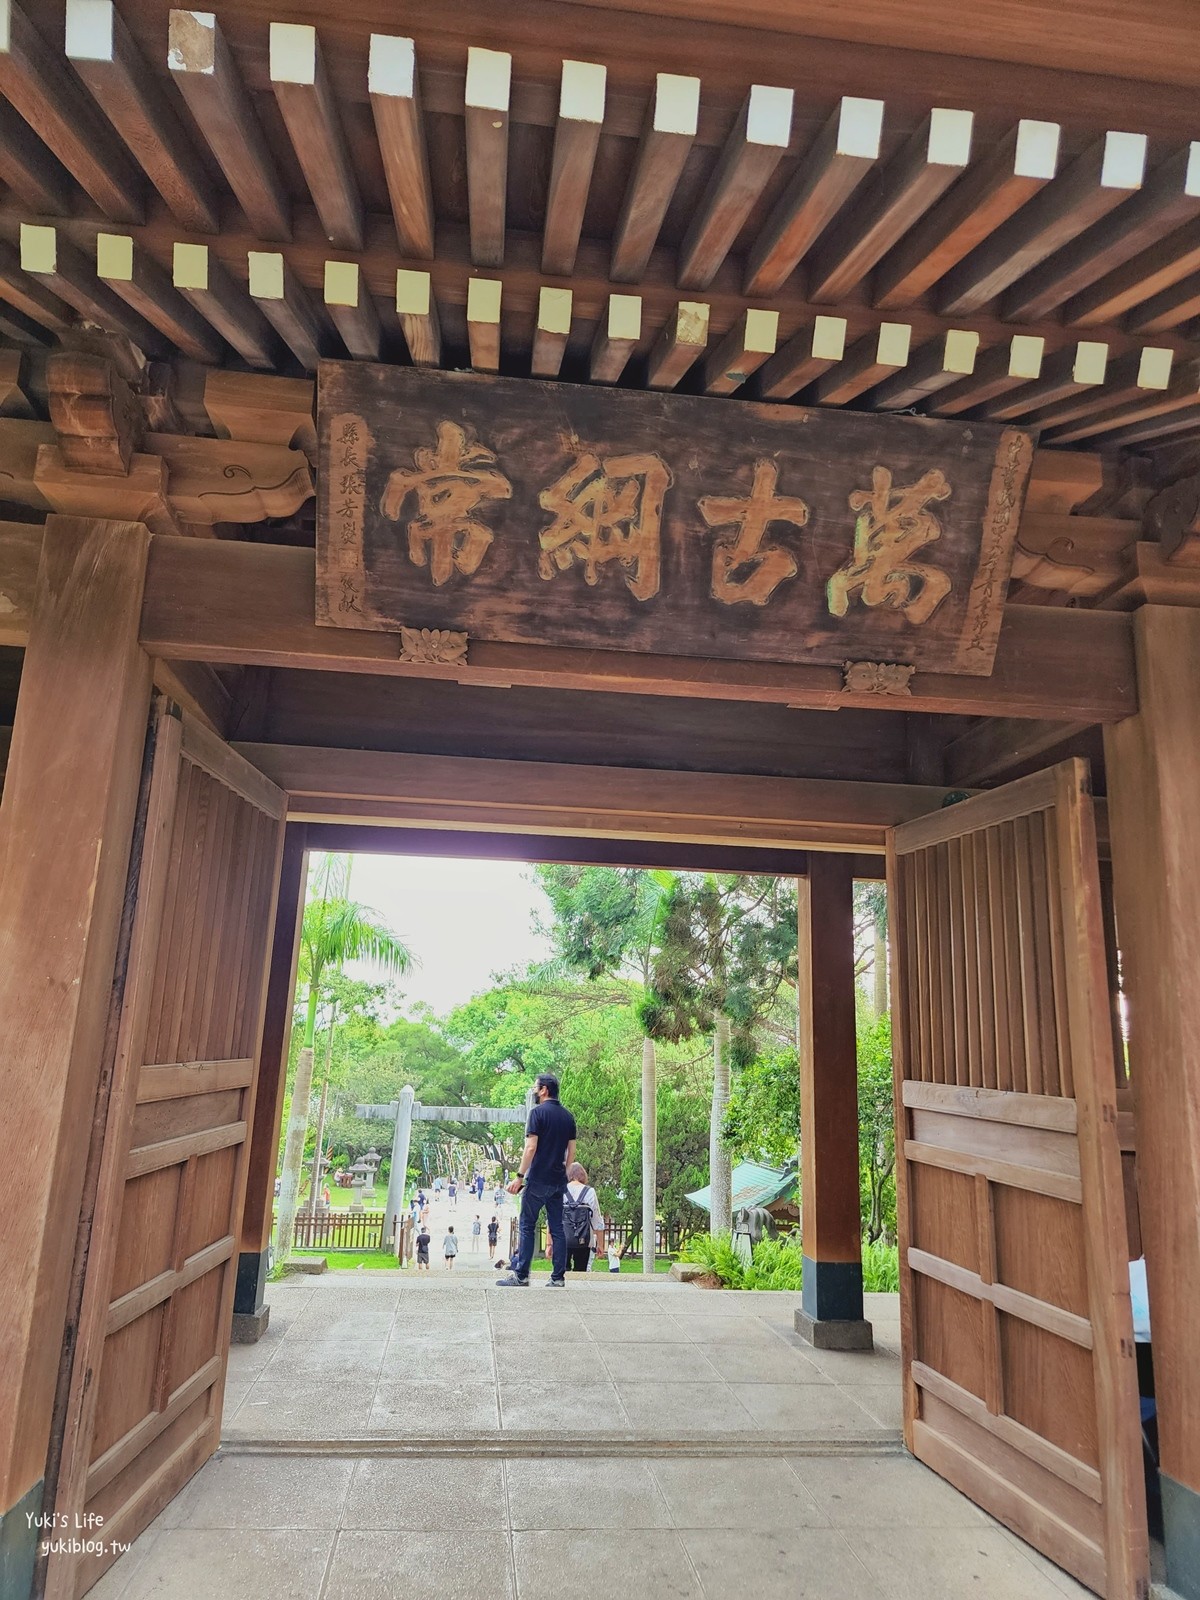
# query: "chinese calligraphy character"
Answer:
x=607 y=510
x=749 y=516
x=449 y=483
x=892 y=525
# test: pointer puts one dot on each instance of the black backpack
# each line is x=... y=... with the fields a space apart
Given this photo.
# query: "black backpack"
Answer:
x=577 y=1219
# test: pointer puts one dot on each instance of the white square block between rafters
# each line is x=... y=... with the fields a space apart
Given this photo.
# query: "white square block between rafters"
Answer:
x=1091 y=361
x=191 y=42
x=624 y=316
x=959 y=352
x=114 y=256
x=414 y=293
x=483 y=299
x=554 y=311
x=89 y=30
x=1037 y=148
x=266 y=274
x=392 y=66
x=39 y=248
x=1025 y=355
x=581 y=93
x=1191 y=182
x=341 y=283
x=769 y=115
x=829 y=338
x=761 y=332
x=489 y=79
x=1154 y=368
x=293 y=52
x=190 y=266
x=1124 y=161
x=860 y=127
x=676 y=104
x=894 y=341
x=949 y=137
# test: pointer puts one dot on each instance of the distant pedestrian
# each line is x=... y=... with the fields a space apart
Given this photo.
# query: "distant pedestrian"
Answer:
x=450 y=1247
x=498 y=1198
x=493 y=1238
x=476 y=1230
x=423 y=1248
x=583 y=1221
x=541 y=1182
x=453 y=1195
x=425 y=1215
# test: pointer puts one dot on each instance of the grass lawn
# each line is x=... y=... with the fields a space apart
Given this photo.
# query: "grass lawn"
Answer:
x=351 y=1260
x=630 y=1264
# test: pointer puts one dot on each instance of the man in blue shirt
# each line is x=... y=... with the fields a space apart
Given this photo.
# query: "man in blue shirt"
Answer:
x=541 y=1181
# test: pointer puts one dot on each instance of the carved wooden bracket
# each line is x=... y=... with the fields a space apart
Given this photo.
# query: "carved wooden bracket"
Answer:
x=1173 y=518
x=96 y=415
x=433 y=644
x=877 y=677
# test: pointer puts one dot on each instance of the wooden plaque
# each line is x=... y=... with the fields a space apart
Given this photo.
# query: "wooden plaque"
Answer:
x=548 y=513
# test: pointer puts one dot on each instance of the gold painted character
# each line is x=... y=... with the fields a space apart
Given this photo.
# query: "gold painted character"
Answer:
x=892 y=525
x=607 y=510
x=749 y=517
x=449 y=483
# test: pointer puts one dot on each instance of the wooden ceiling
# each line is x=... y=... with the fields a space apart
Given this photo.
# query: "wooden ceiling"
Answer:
x=661 y=199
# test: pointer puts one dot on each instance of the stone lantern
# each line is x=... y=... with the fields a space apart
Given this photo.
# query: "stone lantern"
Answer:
x=372 y=1160
x=359 y=1173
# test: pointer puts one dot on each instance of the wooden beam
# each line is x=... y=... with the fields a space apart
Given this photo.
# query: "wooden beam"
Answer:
x=803 y=358
x=64 y=856
x=576 y=139
x=741 y=352
x=875 y=357
x=417 y=311
x=679 y=345
x=756 y=142
x=102 y=52
x=41 y=87
x=148 y=290
x=996 y=747
x=306 y=102
x=1066 y=372
x=618 y=334
x=393 y=88
x=262 y=409
x=208 y=78
x=231 y=602
x=36 y=177
x=997 y=371
x=840 y=158
x=1169 y=308
x=672 y=119
x=14 y=383
x=936 y=365
x=1132 y=377
x=694 y=807
x=204 y=282
x=921 y=171
x=349 y=303
x=66 y=272
x=1158 y=267
x=488 y=88
x=551 y=333
x=1141 y=419
x=483 y=323
x=1168 y=198
x=288 y=307
x=29 y=294
x=1093 y=185
x=982 y=200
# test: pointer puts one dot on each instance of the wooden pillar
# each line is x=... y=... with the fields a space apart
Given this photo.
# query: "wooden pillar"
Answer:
x=66 y=826
x=832 y=1314
x=1153 y=768
x=250 y=1312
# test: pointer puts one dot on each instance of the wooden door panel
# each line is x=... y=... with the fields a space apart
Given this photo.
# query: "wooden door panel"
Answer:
x=1015 y=1319
x=154 y=1333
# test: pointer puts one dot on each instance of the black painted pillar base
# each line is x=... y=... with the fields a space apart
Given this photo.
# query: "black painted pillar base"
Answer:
x=19 y=1538
x=1181 y=1537
x=832 y=1315
x=251 y=1314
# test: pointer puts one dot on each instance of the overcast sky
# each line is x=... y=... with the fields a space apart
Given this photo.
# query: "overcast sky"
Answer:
x=464 y=919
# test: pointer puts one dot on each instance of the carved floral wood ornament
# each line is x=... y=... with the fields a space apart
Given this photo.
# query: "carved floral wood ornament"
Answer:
x=538 y=513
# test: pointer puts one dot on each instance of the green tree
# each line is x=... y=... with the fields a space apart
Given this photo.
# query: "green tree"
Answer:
x=876 y=1127
x=335 y=930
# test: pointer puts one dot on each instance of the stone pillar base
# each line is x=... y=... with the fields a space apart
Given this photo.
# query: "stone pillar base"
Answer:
x=249 y=1326
x=830 y=1333
x=1181 y=1536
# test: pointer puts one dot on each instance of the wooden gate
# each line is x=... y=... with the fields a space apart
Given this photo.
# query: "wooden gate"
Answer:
x=1017 y=1334
x=146 y=1390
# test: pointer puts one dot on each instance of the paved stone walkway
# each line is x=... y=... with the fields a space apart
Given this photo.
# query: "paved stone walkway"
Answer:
x=441 y=1439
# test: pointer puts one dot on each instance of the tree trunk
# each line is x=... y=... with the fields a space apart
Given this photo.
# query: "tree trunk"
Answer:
x=293 y=1155
x=880 y=966
x=720 y=1215
x=649 y=1151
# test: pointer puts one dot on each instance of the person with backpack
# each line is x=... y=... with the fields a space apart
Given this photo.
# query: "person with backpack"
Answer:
x=583 y=1221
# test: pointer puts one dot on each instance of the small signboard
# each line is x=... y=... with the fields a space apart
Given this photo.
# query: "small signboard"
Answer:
x=550 y=513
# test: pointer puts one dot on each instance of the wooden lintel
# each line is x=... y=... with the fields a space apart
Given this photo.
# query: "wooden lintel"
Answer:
x=998 y=746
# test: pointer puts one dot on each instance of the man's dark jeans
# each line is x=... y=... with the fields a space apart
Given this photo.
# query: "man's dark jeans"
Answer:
x=533 y=1201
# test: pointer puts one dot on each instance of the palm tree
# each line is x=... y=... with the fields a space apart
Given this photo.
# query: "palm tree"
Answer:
x=335 y=930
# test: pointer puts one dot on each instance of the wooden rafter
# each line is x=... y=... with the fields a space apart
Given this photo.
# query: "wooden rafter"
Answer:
x=306 y=102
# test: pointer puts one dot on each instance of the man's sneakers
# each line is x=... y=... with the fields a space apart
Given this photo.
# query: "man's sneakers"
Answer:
x=557 y=1283
x=511 y=1281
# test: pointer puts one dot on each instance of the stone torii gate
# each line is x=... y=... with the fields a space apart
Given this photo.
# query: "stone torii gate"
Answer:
x=407 y=1110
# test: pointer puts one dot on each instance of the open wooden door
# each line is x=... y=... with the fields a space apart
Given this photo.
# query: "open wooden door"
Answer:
x=146 y=1386
x=1019 y=1372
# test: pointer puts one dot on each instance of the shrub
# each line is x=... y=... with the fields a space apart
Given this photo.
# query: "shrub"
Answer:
x=881 y=1267
x=715 y=1253
x=775 y=1264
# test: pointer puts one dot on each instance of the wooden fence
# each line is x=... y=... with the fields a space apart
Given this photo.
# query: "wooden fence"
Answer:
x=624 y=1237
x=334 y=1229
